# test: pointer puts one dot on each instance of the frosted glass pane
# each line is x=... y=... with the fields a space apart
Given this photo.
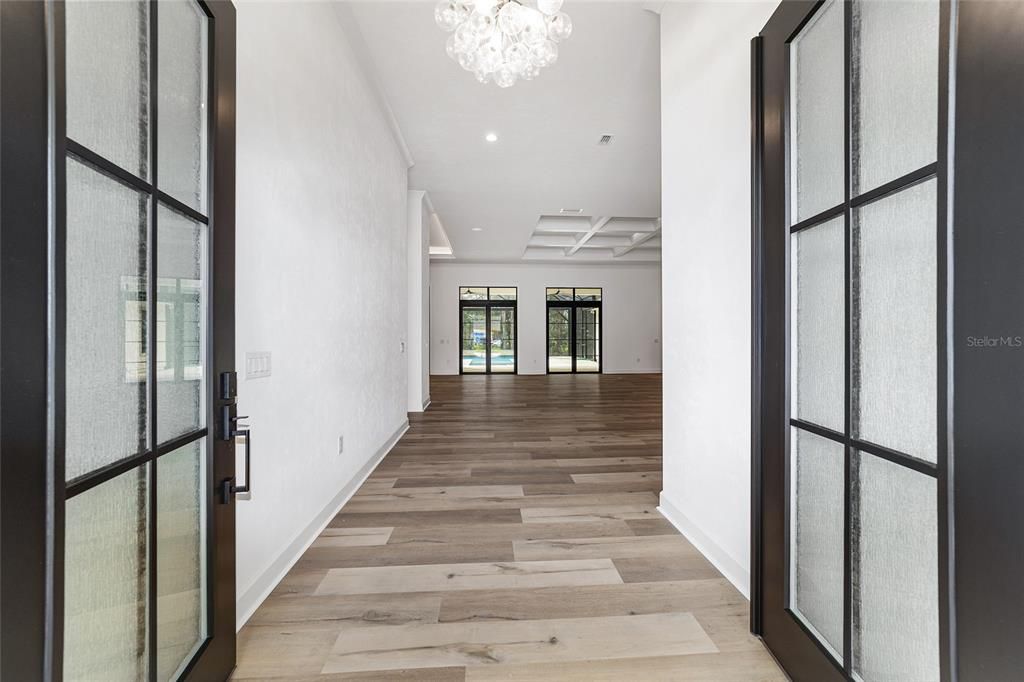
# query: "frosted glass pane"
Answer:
x=896 y=73
x=181 y=557
x=180 y=324
x=816 y=72
x=896 y=343
x=182 y=84
x=106 y=68
x=105 y=581
x=818 y=319
x=105 y=368
x=895 y=580
x=817 y=536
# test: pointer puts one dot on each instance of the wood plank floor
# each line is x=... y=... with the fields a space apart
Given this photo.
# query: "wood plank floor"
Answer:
x=511 y=534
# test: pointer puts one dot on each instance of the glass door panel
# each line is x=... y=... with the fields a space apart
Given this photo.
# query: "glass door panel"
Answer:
x=862 y=347
x=181 y=567
x=181 y=324
x=895 y=573
x=106 y=402
x=502 y=344
x=474 y=340
x=559 y=339
x=588 y=339
x=816 y=76
x=106 y=580
x=136 y=280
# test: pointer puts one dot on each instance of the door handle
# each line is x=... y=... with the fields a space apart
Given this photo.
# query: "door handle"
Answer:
x=227 y=486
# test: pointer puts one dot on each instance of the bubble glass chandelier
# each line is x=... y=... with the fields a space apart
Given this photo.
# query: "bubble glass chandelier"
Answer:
x=503 y=40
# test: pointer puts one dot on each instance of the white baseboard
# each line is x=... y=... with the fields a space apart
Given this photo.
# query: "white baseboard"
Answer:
x=729 y=567
x=633 y=371
x=426 y=404
x=247 y=604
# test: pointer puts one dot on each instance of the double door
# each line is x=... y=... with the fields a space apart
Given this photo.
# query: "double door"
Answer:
x=488 y=338
x=574 y=331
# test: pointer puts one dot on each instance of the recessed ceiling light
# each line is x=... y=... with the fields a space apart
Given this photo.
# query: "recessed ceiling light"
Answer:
x=478 y=229
x=570 y=211
x=491 y=137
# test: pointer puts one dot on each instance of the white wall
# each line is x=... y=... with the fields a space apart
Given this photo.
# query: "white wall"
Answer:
x=418 y=264
x=631 y=309
x=321 y=279
x=705 y=115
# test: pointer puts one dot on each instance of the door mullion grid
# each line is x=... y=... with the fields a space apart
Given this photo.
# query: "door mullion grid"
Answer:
x=152 y=295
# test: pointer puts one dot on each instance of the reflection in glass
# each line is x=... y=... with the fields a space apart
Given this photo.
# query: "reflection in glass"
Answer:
x=503 y=341
x=474 y=340
x=106 y=580
x=559 y=354
x=105 y=370
x=181 y=557
x=588 y=294
x=180 y=324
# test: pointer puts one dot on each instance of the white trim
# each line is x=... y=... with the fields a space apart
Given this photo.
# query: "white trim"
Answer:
x=248 y=602
x=426 y=404
x=729 y=567
x=633 y=371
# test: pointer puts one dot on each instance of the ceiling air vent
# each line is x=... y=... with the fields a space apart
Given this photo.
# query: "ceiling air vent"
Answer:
x=605 y=139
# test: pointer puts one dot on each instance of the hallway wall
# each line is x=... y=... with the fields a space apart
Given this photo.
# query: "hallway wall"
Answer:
x=705 y=95
x=632 y=310
x=321 y=278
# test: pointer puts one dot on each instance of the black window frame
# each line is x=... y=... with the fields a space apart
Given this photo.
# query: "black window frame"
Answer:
x=487 y=304
x=573 y=305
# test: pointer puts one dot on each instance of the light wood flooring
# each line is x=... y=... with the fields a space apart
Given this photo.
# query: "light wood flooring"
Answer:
x=510 y=535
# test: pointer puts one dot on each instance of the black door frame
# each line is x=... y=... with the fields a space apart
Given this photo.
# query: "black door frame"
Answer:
x=32 y=481
x=980 y=341
x=487 y=304
x=573 y=306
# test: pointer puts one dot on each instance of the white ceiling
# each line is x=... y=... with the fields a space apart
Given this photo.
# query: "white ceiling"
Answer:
x=606 y=81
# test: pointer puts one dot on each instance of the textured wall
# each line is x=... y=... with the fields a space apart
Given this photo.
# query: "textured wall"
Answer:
x=705 y=151
x=321 y=277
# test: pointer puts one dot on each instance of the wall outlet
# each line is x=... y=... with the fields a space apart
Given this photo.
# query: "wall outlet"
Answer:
x=257 y=365
x=341 y=444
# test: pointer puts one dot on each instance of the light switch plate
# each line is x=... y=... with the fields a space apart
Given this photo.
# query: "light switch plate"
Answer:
x=257 y=365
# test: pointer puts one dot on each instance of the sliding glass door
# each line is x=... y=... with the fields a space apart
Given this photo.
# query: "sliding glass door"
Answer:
x=487 y=330
x=573 y=330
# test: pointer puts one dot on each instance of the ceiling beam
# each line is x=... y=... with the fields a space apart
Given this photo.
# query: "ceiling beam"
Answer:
x=595 y=227
x=637 y=241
